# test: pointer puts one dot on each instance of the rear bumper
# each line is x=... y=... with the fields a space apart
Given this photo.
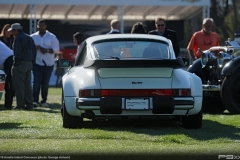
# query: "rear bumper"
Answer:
x=117 y=105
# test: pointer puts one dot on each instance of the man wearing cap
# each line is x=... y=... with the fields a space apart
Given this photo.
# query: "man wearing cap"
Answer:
x=24 y=55
x=47 y=45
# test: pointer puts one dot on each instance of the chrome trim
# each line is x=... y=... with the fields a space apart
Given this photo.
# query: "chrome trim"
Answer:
x=211 y=87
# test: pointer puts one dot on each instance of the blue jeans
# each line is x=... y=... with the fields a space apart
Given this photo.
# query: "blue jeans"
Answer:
x=41 y=77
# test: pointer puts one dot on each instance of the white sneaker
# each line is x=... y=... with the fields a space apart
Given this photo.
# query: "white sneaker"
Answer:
x=44 y=105
x=35 y=104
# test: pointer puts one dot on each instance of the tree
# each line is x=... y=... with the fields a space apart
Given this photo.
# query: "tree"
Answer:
x=234 y=3
x=219 y=11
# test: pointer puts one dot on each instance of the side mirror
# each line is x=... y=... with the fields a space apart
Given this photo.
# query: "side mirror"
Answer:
x=63 y=63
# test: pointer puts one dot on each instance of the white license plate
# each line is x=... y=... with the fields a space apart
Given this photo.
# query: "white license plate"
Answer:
x=137 y=103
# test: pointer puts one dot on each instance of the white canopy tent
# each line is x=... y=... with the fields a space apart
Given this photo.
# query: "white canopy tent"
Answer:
x=102 y=9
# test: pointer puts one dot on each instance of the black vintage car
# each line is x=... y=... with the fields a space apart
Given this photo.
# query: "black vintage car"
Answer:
x=219 y=70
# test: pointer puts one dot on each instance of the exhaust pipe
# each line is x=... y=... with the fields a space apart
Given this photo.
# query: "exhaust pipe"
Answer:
x=88 y=114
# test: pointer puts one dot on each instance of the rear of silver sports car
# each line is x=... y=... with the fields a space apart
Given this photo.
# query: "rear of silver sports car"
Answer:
x=131 y=77
x=139 y=92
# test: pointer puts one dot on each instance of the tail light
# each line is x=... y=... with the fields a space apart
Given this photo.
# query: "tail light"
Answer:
x=90 y=93
x=134 y=92
x=181 y=92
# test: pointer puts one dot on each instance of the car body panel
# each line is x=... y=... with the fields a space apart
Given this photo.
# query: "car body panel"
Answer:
x=162 y=72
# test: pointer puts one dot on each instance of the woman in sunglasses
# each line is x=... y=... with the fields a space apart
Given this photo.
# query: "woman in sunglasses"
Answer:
x=203 y=39
x=161 y=30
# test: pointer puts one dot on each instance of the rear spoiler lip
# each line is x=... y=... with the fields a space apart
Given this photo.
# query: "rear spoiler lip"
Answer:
x=96 y=64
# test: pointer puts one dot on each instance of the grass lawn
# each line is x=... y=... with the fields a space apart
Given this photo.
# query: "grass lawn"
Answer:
x=39 y=134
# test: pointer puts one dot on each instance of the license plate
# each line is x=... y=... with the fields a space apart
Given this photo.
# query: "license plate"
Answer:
x=137 y=104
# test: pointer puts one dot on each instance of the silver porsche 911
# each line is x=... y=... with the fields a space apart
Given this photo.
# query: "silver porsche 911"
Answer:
x=129 y=75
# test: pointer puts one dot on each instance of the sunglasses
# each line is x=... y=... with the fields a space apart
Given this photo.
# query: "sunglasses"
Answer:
x=160 y=25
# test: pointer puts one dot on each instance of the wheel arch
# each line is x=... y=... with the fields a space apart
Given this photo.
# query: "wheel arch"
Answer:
x=231 y=67
x=196 y=68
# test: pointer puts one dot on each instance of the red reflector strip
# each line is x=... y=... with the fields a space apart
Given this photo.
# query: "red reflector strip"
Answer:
x=136 y=92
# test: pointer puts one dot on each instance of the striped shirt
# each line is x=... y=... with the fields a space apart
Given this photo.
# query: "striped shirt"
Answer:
x=24 y=49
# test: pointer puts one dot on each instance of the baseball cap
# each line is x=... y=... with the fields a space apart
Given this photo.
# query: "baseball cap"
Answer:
x=15 y=26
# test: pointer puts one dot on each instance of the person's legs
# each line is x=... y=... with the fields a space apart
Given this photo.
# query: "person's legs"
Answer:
x=60 y=81
x=9 y=92
x=37 y=79
x=28 y=87
x=18 y=79
x=57 y=81
x=45 y=82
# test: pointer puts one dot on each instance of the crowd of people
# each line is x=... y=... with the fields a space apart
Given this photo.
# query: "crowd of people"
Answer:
x=21 y=54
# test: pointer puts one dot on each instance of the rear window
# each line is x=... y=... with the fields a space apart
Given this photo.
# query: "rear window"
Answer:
x=128 y=49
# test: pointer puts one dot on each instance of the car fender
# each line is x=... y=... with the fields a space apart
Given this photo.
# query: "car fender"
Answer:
x=231 y=67
x=73 y=82
x=183 y=79
x=197 y=93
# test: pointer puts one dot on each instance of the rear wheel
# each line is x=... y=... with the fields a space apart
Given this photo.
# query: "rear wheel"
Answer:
x=193 y=121
x=230 y=92
x=68 y=120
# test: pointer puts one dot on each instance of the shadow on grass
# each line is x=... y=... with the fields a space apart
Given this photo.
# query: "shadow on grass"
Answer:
x=210 y=129
x=213 y=130
x=5 y=126
x=52 y=108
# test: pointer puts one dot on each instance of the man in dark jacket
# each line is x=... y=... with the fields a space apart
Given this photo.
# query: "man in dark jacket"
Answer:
x=161 y=30
x=115 y=27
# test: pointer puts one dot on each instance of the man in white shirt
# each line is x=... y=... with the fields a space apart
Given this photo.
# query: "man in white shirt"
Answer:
x=6 y=62
x=47 y=45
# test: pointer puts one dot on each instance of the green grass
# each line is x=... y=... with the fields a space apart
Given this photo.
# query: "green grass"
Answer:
x=40 y=132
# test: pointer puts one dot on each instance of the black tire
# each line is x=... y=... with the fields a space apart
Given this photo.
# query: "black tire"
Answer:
x=230 y=92
x=68 y=120
x=192 y=122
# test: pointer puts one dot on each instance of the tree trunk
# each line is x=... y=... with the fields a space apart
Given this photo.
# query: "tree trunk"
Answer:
x=235 y=16
x=218 y=13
